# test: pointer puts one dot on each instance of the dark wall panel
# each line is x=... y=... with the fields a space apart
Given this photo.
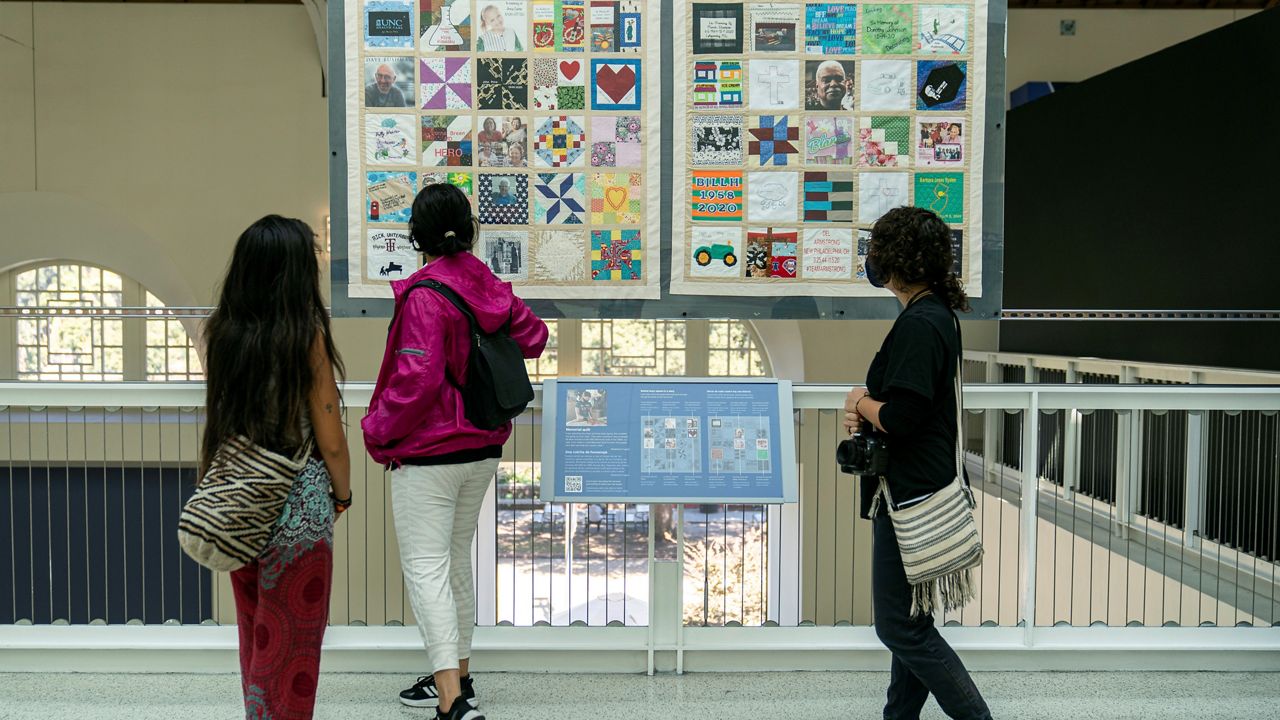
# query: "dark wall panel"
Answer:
x=1151 y=186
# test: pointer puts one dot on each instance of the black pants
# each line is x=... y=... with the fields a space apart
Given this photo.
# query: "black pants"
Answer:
x=923 y=662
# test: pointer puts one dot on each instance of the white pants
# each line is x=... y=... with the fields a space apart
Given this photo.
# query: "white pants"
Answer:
x=436 y=508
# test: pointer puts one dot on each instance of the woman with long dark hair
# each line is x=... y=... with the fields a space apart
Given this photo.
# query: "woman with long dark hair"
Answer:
x=910 y=397
x=441 y=464
x=270 y=370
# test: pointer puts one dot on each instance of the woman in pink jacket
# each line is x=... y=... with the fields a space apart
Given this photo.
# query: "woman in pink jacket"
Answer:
x=441 y=465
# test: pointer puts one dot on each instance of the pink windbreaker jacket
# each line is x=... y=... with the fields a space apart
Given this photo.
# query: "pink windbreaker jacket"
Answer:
x=415 y=411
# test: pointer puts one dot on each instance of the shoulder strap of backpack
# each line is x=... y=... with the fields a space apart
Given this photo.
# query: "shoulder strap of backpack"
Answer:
x=455 y=299
x=458 y=303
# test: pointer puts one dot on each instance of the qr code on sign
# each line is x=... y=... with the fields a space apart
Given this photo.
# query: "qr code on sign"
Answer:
x=573 y=483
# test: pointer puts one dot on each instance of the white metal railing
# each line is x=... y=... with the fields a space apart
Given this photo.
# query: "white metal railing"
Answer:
x=811 y=555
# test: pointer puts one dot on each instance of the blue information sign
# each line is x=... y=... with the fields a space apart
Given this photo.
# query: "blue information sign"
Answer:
x=669 y=440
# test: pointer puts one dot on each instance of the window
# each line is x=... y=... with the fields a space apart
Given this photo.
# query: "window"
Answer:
x=80 y=343
x=71 y=347
x=547 y=366
x=733 y=350
x=170 y=353
x=634 y=347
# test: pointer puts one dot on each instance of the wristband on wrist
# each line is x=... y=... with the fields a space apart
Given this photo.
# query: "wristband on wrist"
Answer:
x=340 y=504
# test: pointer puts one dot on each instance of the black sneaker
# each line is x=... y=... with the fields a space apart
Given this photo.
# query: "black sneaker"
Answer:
x=460 y=711
x=424 y=693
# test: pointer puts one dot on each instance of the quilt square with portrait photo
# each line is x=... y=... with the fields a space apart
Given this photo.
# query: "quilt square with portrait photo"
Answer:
x=940 y=141
x=445 y=25
x=830 y=29
x=559 y=198
x=717 y=140
x=616 y=255
x=502 y=83
x=717 y=84
x=388 y=82
x=503 y=142
x=616 y=198
x=504 y=199
x=559 y=141
x=829 y=85
x=446 y=140
x=717 y=28
x=501 y=26
x=615 y=141
x=505 y=252
x=774 y=27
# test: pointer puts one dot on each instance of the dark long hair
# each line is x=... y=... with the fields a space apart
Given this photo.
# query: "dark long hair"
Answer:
x=913 y=245
x=258 y=340
x=442 y=223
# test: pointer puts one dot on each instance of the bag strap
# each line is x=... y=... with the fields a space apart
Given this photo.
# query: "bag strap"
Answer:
x=453 y=298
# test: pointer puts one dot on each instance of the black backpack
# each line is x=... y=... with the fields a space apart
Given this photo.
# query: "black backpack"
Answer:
x=498 y=387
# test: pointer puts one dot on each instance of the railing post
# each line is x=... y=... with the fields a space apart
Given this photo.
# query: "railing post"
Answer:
x=1030 y=522
x=991 y=426
x=1128 y=452
x=1193 y=493
x=1071 y=441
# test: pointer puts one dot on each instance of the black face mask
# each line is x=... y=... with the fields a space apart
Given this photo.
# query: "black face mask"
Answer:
x=873 y=274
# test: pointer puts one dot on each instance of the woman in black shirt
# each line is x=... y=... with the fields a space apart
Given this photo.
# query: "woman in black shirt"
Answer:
x=910 y=396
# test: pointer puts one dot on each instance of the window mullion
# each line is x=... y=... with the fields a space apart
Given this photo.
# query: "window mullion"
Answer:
x=135 y=333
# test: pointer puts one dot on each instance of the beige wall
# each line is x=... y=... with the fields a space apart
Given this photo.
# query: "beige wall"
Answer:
x=17 y=120
x=179 y=124
x=1104 y=39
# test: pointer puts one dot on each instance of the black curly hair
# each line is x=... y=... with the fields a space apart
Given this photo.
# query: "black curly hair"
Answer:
x=913 y=246
x=442 y=223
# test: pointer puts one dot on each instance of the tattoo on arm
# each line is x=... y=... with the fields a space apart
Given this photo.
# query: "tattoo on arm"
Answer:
x=328 y=407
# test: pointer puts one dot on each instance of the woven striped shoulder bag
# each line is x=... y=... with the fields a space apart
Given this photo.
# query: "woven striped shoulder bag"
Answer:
x=938 y=537
x=229 y=519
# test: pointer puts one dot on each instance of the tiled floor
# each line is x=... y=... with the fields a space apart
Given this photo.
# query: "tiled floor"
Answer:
x=790 y=696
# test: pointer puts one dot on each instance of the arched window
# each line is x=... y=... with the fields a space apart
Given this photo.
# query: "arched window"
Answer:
x=170 y=353
x=78 y=330
x=694 y=348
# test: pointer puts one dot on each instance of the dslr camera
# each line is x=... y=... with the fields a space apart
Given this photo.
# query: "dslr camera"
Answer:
x=864 y=453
